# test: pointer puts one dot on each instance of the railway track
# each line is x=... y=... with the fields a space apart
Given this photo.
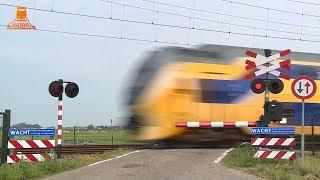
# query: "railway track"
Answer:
x=84 y=149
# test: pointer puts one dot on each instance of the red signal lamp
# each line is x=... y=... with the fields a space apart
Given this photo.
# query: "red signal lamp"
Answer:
x=56 y=88
x=258 y=86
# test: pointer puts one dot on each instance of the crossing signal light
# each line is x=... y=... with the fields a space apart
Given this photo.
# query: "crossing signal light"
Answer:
x=56 y=88
x=275 y=86
x=258 y=86
x=72 y=89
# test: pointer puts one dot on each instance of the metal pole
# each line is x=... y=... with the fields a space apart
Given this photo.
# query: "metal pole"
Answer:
x=59 y=137
x=5 y=138
x=312 y=131
x=302 y=133
x=112 y=130
x=266 y=92
x=267 y=53
x=74 y=134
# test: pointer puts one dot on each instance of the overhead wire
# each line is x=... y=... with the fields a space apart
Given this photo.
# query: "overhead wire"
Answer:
x=225 y=14
x=104 y=36
x=145 y=40
x=164 y=42
x=303 y=2
x=158 y=24
x=272 y=9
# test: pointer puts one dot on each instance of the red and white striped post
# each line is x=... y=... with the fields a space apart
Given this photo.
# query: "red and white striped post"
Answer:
x=56 y=90
x=59 y=134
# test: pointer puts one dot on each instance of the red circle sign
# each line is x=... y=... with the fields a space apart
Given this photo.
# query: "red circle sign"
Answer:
x=303 y=87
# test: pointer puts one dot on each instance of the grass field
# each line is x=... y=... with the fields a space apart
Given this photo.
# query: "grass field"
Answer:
x=98 y=137
x=242 y=158
x=46 y=168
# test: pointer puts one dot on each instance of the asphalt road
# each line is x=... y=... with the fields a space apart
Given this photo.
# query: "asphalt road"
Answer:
x=159 y=164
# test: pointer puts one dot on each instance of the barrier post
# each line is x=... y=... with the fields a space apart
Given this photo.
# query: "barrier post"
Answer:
x=5 y=138
x=59 y=134
x=292 y=148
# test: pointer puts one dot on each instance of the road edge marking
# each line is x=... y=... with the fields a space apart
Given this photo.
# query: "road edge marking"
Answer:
x=223 y=155
x=123 y=155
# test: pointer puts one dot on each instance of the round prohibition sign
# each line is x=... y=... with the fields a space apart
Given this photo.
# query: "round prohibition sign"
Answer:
x=303 y=87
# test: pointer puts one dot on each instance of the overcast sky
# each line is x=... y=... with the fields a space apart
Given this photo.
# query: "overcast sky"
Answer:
x=30 y=60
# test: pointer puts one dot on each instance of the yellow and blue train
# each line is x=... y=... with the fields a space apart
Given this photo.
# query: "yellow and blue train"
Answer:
x=207 y=83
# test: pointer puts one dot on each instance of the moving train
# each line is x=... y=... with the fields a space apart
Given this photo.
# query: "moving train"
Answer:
x=207 y=83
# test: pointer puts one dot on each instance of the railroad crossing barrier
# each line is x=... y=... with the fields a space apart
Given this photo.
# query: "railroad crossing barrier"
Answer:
x=30 y=144
x=27 y=144
x=9 y=145
x=215 y=124
x=269 y=154
x=263 y=145
x=273 y=141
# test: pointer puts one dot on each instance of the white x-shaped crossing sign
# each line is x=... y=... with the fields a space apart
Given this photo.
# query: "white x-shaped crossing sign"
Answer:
x=267 y=64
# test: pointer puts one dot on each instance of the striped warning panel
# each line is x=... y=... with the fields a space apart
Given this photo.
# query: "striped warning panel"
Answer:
x=274 y=142
x=205 y=124
x=270 y=154
x=28 y=144
x=16 y=158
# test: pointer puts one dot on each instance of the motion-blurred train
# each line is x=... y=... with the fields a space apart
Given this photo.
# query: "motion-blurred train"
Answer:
x=207 y=84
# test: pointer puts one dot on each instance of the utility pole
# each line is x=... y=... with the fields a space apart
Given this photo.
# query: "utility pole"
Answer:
x=74 y=135
x=112 y=131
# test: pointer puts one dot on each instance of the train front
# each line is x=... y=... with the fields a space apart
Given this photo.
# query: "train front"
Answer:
x=172 y=85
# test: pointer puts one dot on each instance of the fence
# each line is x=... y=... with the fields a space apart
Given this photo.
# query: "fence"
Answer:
x=96 y=136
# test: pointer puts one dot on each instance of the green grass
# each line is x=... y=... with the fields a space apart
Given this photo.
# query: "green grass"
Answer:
x=242 y=158
x=46 y=168
x=97 y=137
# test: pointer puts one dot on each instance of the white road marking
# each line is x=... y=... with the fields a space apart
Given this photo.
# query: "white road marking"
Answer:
x=223 y=155
x=114 y=158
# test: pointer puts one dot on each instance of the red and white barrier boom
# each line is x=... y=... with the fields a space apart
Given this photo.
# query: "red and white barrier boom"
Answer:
x=30 y=144
x=267 y=64
x=215 y=124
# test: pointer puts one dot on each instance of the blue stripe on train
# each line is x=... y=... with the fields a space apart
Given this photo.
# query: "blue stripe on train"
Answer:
x=223 y=91
x=310 y=112
x=228 y=91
